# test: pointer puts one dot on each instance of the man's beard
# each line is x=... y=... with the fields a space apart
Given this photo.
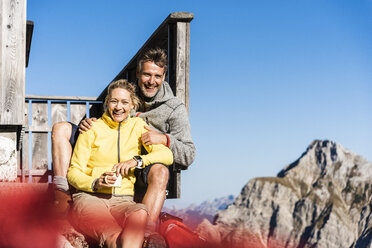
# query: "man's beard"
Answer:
x=147 y=94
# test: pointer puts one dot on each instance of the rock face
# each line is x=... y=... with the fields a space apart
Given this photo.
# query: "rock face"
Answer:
x=324 y=199
x=8 y=161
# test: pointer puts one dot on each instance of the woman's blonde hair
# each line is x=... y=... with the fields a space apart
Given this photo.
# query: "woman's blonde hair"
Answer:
x=123 y=84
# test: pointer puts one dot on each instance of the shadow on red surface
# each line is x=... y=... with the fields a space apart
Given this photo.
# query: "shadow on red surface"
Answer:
x=26 y=217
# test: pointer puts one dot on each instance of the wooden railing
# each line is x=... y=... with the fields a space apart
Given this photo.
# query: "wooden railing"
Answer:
x=41 y=112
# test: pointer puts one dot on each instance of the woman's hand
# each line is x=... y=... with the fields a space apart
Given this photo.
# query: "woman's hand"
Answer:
x=124 y=167
x=105 y=180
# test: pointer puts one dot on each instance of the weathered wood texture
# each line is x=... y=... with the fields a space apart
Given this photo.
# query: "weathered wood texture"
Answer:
x=179 y=55
x=39 y=138
x=77 y=112
x=62 y=98
x=41 y=112
x=59 y=112
x=40 y=151
x=12 y=61
x=24 y=167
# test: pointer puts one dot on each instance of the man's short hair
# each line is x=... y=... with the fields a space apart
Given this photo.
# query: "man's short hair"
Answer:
x=155 y=55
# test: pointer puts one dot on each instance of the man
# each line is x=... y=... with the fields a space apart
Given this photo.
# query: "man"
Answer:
x=168 y=124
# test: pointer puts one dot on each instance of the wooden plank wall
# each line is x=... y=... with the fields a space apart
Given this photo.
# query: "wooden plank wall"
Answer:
x=12 y=61
x=41 y=113
x=12 y=79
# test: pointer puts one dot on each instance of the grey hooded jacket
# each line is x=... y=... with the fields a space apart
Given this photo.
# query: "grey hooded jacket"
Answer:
x=168 y=115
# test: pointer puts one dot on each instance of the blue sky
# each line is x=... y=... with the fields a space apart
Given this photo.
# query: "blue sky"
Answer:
x=266 y=77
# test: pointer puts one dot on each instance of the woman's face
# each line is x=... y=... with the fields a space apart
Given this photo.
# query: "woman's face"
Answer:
x=119 y=104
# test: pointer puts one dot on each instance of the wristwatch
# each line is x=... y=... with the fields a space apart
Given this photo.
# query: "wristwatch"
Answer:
x=139 y=161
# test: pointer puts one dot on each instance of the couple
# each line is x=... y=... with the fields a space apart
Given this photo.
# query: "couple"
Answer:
x=97 y=162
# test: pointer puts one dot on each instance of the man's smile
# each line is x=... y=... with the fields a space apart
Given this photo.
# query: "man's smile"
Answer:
x=150 y=86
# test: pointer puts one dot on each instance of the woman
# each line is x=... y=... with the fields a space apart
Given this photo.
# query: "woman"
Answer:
x=109 y=150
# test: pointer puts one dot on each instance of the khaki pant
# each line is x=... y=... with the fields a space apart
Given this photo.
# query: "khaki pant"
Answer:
x=101 y=216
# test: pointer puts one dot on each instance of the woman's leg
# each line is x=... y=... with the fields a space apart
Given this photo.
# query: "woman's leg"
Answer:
x=92 y=217
x=132 y=217
x=134 y=230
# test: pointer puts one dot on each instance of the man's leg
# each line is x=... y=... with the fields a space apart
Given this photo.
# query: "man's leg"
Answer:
x=157 y=181
x=61 y=148
x=61 y=155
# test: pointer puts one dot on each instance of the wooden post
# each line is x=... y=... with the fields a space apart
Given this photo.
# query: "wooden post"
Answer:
x=178 y=75
x=182 y=69
x=179 y=59
x=12 y=83
x=12 y=61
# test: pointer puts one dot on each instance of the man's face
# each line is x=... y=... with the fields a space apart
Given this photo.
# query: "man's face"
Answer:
x=150 y=78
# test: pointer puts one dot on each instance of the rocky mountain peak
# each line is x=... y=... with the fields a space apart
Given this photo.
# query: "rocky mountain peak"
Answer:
x=323 y=199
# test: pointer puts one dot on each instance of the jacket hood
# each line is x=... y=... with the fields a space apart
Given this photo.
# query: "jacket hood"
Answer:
x=164 y=94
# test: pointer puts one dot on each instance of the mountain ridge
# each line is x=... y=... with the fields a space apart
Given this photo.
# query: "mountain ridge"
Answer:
x=195 y=213
x=322 y=199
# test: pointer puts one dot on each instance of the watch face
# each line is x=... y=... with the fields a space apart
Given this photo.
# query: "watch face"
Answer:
x=139 y=161
x=138 y=158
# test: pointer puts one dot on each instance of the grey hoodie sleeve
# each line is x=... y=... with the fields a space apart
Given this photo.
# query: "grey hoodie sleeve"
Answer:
x=179 y=134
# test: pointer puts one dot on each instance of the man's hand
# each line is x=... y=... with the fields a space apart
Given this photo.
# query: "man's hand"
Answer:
x=123 y=168
x=105 y=180
x=86 y=124
x=153 y=137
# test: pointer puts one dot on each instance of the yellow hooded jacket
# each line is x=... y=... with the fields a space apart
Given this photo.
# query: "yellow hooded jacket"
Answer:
x=96 y=152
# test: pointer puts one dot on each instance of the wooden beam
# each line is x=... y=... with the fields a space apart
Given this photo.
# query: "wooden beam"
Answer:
x=35 y=172
x=29 y=31
x=62 y=98
x=182 y=62
x=12 y=61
